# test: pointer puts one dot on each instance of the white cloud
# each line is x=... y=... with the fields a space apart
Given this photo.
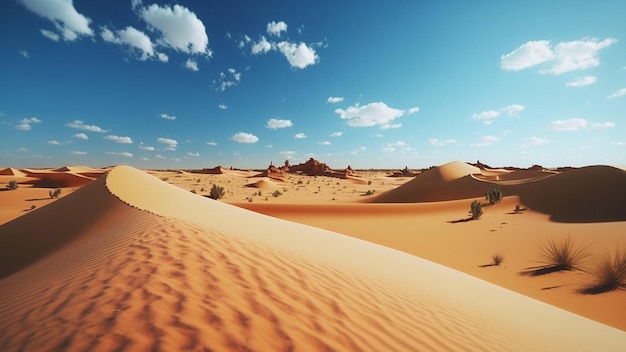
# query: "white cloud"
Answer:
x=243 y=137
x=336 y=134
x=534 y=141
x=324 y=143
x=275 y=28
x=211 y=143
x=227 y=80
x=25 y=124
x=68 y=22
x=123 y=154
x=617 y=93
x=193 y=154
x=486 y=141
x=180 y=28
x=358 y=150
x=118 y=139
x=289 y=154
x=146 y=148
x=278 y=123
x=377 y=135
x=50 y=35
x=55 y=142
x=389 y=126
x=191 y=65
x=575 y=124
x=159 y=156
x=582 y=81
x=334 y=100
x=78 y=124
x=564 y=57
x=24 y=53
x=246 y=39
x=299 y=136
x=81 y=136
x=171 y=144
x=135 y=3
x=222 y=106
x=413 y=110
x=488 y=116
x=261 y=47
x=440 y=143
x=512 y=110
x=372 y=114
x=76 y=152
x=162 y=57
x=132 y=37
x=168 y=117
x=298 y=55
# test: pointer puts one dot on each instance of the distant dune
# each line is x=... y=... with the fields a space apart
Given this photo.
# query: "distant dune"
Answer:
x=129 y=262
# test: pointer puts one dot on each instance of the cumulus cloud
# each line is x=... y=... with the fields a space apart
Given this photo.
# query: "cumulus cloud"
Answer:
x=227 y=79
x=334 y=100
x=440 y=143
x=159 y=156
x=336 y=134
x=261 y=47
x=222 y=106
x=488 y=116
x=171 y=144
x=77 y=152
x=243 y=137
x=78 y=124
x=68 y=22
x=275 y=28
x=122 y=154
x=50 y=35
x=55 y=142
x=564 y=57
x=168 y=117
x=26 y=124
x=298 y=55
x=81 y=136
x=118 y=139
x=211 y=143
x=24 y=53
x=162 y=57
x=180 y=28
x=278 y=123
x=372 y=114
x=191 y=65
x=582 y=81
x=617 y=93
x=131 y=37
x=146 y=148
x=575 y=124
x=324 y=143
x=299 y=136
x=193 y=154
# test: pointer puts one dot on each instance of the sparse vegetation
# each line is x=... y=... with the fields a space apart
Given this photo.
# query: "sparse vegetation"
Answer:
x=217 y=192
x=33 y=206
x=476 y=210
x=369 y=192
x=55 y=194
x=369 y=182
x=563 y=255
x=277 y=194
x=609 y=273
x=12 y=185
x=193 y=191
x=164 y=179
x=494 y=196
x=497 y=259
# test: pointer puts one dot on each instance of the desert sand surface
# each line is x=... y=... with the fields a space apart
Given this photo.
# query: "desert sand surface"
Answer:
x=131 y=262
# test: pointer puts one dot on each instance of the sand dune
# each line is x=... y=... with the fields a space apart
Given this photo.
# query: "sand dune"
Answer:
x=264 y=184
x=148 y=266
x=9 y=171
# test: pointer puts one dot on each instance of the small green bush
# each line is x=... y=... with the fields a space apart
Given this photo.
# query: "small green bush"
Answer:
x=12 y=185
x=369 y=192
x=494 y=196
x=277 y=194
x=217 y=192
x=476 y=210
x=55 y=194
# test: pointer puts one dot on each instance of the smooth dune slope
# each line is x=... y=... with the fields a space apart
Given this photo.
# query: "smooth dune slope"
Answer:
x=158 y=268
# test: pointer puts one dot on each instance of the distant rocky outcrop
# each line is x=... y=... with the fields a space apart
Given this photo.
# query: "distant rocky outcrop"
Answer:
x=273 y=172
x=406 y=172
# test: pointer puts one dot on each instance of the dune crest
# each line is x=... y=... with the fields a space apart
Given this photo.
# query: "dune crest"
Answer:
x=155 y=267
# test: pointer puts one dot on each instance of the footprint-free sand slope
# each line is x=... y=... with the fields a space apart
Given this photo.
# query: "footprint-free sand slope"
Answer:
x=158 y=268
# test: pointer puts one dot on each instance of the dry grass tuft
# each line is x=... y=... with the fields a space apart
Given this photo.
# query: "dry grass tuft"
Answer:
x=563 y=255
x=609 y=273
x=497 y=259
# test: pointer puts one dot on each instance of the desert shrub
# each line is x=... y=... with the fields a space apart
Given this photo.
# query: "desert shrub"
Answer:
x=609 y=273
x=369 y=182
x=164 y=179
x=494 y=195
x=563 y=255
x=217 y=192
x=12 y=185
x=476 y=210
x=194 y=191
x=497 y=259
x=55 y=194
x=277 y=194
x=32 y=207
x=369 y=192
x=299 y=182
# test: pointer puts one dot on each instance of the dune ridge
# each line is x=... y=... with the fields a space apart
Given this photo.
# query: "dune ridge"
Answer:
x=159 y=268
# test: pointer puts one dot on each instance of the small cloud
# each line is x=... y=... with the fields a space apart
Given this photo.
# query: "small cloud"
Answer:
x=168 y=117
x=80 y=136
x=529 y=54
x=50 y=35
x=534 y=141
x=171 y=144
x=159 y=156
x=243 y=137
x=146 y=148
x=413 y=110
x=334 y=100
x=76 y=152
x=582 y=81
x=227 y=79
x=324 y=143
x=390 y=126
x=488 y=116
x=299 y=136
x=133 y=38
x=211 y=143
x=378 y=135
x=163 y=58
x=298 y=55
x=68 y=22
x=440 y=143
x=191 y=65
x=289 y=154
x=275 y=28
x=358 y=150
x=336 y=134
x=78 y=124
x=118 y=139
x=278 y=123
x=122 y=154
x=372 y=114
x=24 y=53
x=193 y=154
x=222 y=107
x=575 y=124
x=617 y=93
x=261 y=47
x=55 y=142
x=22 y=150
x=26 y=124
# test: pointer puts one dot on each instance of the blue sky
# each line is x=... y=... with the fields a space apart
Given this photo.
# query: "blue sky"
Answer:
x=160 y=84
